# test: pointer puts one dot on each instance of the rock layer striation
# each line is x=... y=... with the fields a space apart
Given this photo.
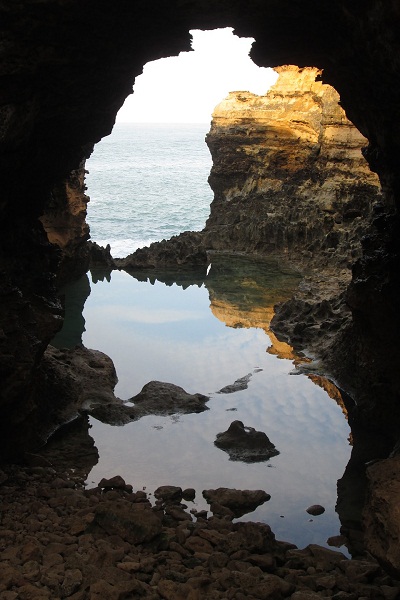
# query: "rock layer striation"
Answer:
x=288 y=173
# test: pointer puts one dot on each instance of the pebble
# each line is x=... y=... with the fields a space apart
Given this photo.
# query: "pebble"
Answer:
x=315 y=510
x=192 y=558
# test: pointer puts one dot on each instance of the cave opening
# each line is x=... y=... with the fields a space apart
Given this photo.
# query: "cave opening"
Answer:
x=147 y=180
x=156 y=360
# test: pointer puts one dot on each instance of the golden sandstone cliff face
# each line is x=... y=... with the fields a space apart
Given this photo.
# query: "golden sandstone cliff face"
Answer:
x=288 y=173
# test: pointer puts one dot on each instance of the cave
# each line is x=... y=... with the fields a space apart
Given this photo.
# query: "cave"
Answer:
x=67 y=69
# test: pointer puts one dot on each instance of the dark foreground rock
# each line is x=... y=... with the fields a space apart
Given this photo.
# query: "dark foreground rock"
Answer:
x=239 y=502
x=185 y=250
x=245 y=443
x=155 y=398
x=381 y=512
x=58 y=540
x=76 y=378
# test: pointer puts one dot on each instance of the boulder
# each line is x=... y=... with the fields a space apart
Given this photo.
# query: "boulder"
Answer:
x=134 y=523
x=245 y=443
x=155 y=398
x=159 y=398
x=239 y=502
x=169 y=493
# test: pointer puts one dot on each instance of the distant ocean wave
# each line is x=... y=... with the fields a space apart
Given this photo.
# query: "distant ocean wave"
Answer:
x=121 y=248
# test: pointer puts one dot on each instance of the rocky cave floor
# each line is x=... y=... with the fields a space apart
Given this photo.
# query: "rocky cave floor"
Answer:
x=60 y=540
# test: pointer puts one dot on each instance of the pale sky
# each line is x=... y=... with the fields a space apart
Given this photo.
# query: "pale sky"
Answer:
x=186 y=88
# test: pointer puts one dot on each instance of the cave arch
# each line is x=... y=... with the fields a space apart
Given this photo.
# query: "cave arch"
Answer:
x=67 y=69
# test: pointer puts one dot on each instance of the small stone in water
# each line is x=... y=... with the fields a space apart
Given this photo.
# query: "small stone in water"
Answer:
x=315 y=510
x=189 y=494
x=115 y=483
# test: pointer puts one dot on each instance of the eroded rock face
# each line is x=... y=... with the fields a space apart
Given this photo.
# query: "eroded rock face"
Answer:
x=288 y=177
x=68 y=381
x=65 y=224
x=288 y=174
x=381 y=514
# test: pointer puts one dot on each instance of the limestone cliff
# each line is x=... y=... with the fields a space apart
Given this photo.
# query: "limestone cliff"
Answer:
x=288 y=173
x=288 y=177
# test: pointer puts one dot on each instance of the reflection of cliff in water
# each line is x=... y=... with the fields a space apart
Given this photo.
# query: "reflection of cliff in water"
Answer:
x=74 y=296
x=243 y=292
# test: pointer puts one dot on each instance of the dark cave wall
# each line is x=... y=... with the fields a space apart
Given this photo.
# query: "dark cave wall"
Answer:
x=66 y=67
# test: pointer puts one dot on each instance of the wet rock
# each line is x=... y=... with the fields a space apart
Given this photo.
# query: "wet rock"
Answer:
x=159 y=398
x=72 y=582
x=221 y=511
x=135 y=523
x=245 y=443
x=168 y=493
x=214 y=558
x=315 y=510
x=171 y=590
x=239 y=502
x=177 y=513
x=189 y=494
x=155 y=398
x=114 y=483
x=185 y=250
x=78 y=378
x=238 y=385
x=101 y=260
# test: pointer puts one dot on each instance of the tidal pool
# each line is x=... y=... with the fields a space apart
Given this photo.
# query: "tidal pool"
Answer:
x=203 y=336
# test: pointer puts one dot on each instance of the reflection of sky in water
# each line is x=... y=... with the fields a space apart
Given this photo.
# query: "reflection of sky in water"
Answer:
x=155 y=332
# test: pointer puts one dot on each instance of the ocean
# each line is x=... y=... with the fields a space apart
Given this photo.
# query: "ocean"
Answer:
x=148 y=182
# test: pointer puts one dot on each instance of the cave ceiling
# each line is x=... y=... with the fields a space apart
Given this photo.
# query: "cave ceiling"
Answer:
x=67 y=67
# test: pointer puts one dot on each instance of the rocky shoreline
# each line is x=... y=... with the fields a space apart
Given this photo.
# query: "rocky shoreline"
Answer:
x=60 y=540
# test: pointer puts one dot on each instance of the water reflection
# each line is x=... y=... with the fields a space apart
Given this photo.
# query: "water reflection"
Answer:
x=74 y=297
x=161 y=331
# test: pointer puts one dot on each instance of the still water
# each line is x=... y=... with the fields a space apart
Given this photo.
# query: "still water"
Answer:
x=203 y=335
